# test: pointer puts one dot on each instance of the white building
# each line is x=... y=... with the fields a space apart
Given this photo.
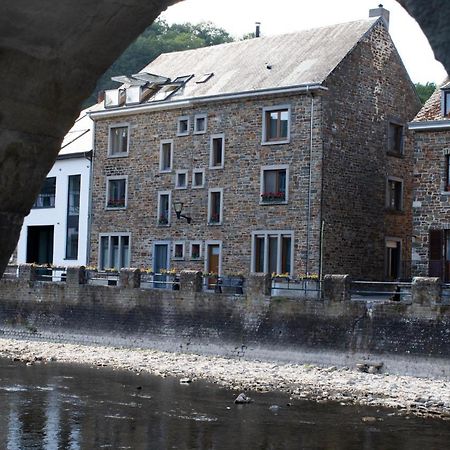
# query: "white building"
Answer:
x=56 y=230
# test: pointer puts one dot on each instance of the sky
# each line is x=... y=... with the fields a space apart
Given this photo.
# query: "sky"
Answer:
x=238 y=17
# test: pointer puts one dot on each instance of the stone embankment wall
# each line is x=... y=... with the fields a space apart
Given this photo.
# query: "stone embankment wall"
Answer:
x=335 y=329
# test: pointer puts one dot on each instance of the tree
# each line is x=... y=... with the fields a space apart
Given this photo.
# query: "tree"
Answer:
x=425 y=91
x=157 y=39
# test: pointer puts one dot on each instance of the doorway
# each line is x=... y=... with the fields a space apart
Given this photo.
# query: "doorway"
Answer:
x=213 y=262
x=160 y=263
x=393 y=259
x=40 y=244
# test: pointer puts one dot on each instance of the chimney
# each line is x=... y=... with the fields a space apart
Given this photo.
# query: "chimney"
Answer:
x=380 y=12
x=100 y=96
x=258 y=29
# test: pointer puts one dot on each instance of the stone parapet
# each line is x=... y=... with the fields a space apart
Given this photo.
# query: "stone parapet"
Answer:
x=259 y=285
x=426 y=290
x=191 y=281
x=130 y=278
x=336 y=288
x=76 y=275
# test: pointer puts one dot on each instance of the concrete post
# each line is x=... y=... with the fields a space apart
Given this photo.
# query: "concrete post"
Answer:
x=426 y=290
x=259 y=285
x=27 y=272
x=336 y=288
x=75 y=276
x=130 y=278
x=190 y=281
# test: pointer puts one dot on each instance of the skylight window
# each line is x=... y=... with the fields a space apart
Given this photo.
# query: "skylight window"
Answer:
x=183 y=79
x=204 y=78
x=165 y=92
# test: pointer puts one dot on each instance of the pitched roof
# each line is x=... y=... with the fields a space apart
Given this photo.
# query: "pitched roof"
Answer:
x=432 y=109
x=295 y=59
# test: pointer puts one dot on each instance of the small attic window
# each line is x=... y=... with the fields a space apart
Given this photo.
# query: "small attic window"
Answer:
x=204 y=78
x=183 y=79
x=165 y=92
x=446 y=95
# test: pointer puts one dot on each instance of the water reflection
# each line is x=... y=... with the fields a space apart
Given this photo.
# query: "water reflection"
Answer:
x=60 y=407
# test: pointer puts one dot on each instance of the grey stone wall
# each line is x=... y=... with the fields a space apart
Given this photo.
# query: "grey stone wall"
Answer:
x=368 y=89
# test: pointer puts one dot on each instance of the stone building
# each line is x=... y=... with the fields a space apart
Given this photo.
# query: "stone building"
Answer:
x=431 y=219
x=286 y=154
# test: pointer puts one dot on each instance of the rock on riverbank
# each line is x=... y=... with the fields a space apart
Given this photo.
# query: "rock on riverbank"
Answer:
x=408 y=395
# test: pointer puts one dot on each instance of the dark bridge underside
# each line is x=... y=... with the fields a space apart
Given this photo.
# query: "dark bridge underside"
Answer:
x=51 y=54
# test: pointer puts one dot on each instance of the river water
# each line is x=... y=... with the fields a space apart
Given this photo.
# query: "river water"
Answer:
x=69 y=407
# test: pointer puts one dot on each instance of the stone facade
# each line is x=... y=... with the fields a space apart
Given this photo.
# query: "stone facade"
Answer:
x=337 y=171
x=431 y=222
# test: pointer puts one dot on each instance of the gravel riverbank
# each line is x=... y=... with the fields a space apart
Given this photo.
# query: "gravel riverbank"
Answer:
x=407 y=395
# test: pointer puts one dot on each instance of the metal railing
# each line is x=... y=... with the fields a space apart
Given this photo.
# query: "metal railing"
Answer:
x=11 y=272
x=297 y=288
x=224 y=284
x=102 y=278
x=50 y=274
x=381 y=290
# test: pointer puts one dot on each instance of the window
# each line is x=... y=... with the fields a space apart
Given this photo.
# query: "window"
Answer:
x=73 y=215
x=118 y=140
x=198 y=178
x=393 y=258
x=46 y=198
x=181 y=179
x=164 y=199
x=394 y=194
x=274 y=183
x=395 y=138
x=183 y=126
x=276 y=125
x=272 y=251
x=166 y=156
x=196 y=250
x=447 y=172
x=114 y=251
x=446 y=108
x=204 y=78
x=216 y=152
x=215 y=206
x=116 y=192
x=200 y=123
x=178 y=250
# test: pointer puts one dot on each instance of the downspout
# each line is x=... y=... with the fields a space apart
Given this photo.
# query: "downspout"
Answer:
x=91 y=181
x=308 y=216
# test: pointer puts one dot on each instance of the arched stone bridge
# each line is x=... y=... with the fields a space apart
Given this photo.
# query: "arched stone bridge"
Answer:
x=51 y=54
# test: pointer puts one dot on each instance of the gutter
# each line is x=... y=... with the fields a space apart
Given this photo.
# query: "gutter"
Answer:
x=87 y=155
x=146 y=107
x=429 y=125
x=308 y=210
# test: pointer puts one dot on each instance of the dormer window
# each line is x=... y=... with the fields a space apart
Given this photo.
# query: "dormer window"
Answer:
x=446 y=108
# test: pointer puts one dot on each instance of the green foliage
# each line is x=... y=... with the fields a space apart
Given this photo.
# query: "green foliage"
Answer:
x=156 y=39
x=424 y=91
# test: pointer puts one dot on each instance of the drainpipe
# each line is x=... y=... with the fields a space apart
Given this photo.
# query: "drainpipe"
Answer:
x=91 y=181
x=308 y=216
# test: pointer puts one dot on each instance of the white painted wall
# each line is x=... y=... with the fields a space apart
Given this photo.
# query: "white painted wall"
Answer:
x=58 y=216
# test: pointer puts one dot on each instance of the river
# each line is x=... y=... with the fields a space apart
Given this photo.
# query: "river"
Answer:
x=57 y=406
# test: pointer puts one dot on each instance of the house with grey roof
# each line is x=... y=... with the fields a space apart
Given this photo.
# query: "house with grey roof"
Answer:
x=55 y=231
x=431 y=219
x=280 y=154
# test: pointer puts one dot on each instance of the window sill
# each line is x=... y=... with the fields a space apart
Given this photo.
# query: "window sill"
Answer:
x=398 y=212
x=118 y=155
x=198 y=187
x=286 y=141
x=183 y=134
x=395 y=154
x=196 y=259
x=178 y=258
x=214 y=224
x=163 y=225
x=180 y=188
x=113 y=208
x=215 y=167
x=283 y=202
x=199 y=132
x=165 y=171
x=43 y=207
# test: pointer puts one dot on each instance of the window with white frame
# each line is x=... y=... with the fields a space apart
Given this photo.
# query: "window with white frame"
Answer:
x=166 y=156
x=200 y=123
x=181 y=179
x=118 y=140
x=178 y=250
x=198 y=178
x=217 y=151
x=215 y=200
x=276 y=124
x=183 y=125
x=164 y=200
x=274 y=184
x=114 y=251
x=394 y=194
x=116 y=192
x=195 y=250
x=272 y=252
